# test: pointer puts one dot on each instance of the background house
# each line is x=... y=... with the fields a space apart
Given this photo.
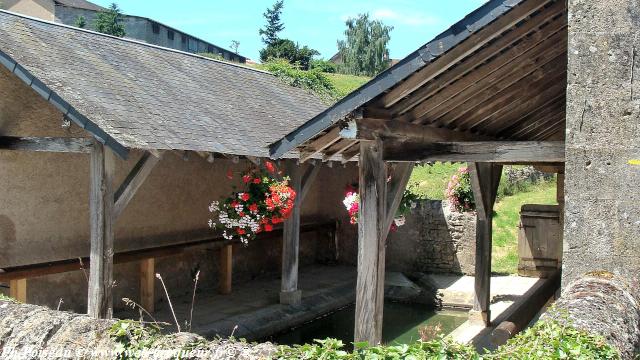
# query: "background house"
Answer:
x=136 y=27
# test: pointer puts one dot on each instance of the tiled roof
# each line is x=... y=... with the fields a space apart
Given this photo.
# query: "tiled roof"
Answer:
x=147 y=97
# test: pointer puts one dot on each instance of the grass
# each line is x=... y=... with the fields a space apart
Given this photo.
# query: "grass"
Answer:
x=430 y=181
x=505 y=224
x=346 y=83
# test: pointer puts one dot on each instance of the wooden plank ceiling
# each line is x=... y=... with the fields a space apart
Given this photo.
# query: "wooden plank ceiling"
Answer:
x=505 y=82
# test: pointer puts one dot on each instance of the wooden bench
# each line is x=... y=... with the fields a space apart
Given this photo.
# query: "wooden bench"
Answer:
x=17 y=276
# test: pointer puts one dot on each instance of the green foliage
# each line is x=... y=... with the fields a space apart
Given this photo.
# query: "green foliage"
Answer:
x=312 y=80
x=364 y=50
x=4 y=297
x=323 y=65
x=213 y=56
x=109 y=21
x=430 y=181
x=80 y=22
x=132 y=337
x=274 y=24
x=552 y=339
x=548 y=339
x=345 y=84
x=290 y=51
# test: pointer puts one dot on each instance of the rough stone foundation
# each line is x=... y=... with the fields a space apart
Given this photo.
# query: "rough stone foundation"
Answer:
x=434 y=240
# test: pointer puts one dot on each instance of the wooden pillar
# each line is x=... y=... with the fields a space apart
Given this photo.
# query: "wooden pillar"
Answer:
x=101 y=203
x=289 y=292
x=371 y=249
x=226 y=269
x=147 y=284
x=485 y=178
x=18 y=289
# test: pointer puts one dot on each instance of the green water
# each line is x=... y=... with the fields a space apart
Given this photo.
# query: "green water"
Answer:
x=400 y=325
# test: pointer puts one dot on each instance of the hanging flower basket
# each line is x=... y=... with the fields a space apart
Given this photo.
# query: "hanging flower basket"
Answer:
x=352 y=204
x=262 y=203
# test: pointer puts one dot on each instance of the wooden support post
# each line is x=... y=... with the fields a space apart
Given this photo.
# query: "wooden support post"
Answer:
x=18 y=289
x=289 y=292
x=485 y=178
x=371 y=249
x=100 y=302
x=226 y=269
x=147 y=284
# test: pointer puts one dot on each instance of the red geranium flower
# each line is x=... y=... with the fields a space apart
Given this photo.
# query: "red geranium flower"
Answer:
x=253 y=207
x=256 y=181
x=269 y=166
x=241 y=231
x=242 y=214
x=268 y=227
x=244 y=196
x=246 y=179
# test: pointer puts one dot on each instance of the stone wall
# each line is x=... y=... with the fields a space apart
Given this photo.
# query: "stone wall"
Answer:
x=434 y=240
x=602 y=201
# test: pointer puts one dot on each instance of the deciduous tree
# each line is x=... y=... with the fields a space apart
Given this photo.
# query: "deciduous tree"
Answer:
x=364 y=50
x=109 y=21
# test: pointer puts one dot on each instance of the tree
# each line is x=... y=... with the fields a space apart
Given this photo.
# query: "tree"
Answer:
x=235 y=44
x=81 y=22
x=109 y=21
x=274 y=24
x=290 y=51
x=364 y=51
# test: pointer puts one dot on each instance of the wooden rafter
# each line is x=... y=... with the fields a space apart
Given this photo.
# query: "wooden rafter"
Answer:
x=337 y=148
x=320 y=144
x=503 y=71
x=486 y=151
x=477 y=59
x=538 y=116
x=510 y=101
x=462 y=50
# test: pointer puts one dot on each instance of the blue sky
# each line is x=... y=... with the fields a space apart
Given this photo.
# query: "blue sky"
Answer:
x=317 y=24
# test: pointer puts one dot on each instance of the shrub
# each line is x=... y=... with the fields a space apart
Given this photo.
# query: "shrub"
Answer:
x=312 y=80
x=459 y=192
x=323 y=65
x=290 y=51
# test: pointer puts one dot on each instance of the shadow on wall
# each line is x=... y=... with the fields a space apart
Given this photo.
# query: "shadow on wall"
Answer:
x=434 y=240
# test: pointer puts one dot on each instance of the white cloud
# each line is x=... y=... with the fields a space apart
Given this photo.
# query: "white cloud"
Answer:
x=413 y=19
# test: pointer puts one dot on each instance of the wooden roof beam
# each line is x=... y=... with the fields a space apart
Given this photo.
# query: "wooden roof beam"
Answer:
x=320 y=144
x=486 y=53
x=462 y=50
x=487 y=151
x=46 y=144
x=370 y=129
x=525 y=121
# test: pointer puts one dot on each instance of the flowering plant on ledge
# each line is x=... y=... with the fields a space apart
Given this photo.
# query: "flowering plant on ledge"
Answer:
x=262 y=203
x=352 y=204
x=459 y=192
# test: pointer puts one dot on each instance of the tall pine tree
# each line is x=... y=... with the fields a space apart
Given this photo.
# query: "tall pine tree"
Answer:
x=274 y=24
x=364 y=51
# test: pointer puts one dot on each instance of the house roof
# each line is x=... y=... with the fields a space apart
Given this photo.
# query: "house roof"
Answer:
x=500 y=72
x=134 y=95
x=80 y=4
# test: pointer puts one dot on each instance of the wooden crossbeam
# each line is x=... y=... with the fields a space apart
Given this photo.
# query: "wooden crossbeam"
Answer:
x=371 y=129
x=46 y=144
x=395 y=190
x=487 y=151
x=469 y=64
x=133 y=182
x=462 y=50
x=504 y=70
